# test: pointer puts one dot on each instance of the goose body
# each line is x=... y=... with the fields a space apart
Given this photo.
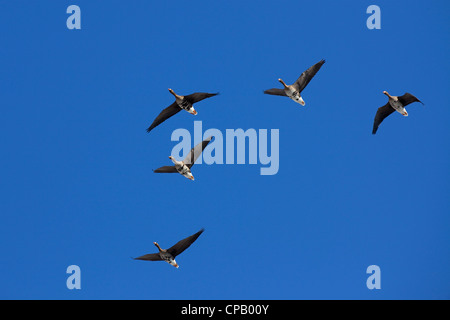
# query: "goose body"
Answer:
x=169 y=255
x=294 y=90
x=181 y=103
x=395 y=103
x=184 y=167
x=166 y=256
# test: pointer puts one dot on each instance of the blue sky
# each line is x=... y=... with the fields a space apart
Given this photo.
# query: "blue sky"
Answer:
x=77 y=184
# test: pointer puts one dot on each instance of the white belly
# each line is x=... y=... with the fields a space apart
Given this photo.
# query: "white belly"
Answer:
x=188 y=175
x=173 y=263
x=294 y=95
x=397 y=105
x=185 y=171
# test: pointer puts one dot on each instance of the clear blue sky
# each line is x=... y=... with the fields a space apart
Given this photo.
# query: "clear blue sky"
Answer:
x=77 y=185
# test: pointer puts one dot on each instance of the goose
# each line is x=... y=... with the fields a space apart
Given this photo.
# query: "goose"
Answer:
x=169 y=255
x=184 y=167
x=181 y=102
x=293 y=91
x=395 y=103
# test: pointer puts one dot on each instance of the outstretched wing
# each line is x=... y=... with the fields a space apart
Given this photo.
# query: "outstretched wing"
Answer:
x=307 y=75
x=408 y=98
x=382 y=113
x=182 y=245
x=166 y=169
x=195 y=152
x=164 y=115
x=276 y=92
x=149 y=257
x=198 y=96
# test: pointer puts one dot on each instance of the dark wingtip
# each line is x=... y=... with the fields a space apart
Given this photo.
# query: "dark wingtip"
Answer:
x=149 y=129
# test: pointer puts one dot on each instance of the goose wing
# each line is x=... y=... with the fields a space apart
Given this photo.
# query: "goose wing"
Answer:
x=195 y=152
x=307 y=75
x=408 y=98
x=166 y=169
x=149 y=257
x=182 y=245
x=276 y=92
x=164 y=115
x=382 y=113
x=198 y=96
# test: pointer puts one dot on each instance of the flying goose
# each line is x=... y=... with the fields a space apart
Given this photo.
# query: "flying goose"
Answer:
x=181 y=102
x=293 y=91
x=394 y=104
x=169 y=255
x=184 y=167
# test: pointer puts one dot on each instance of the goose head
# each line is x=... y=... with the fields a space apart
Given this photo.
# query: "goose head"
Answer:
x=172 y=92
x=173 y=159
x=282 y=82
x=387 y=93
x=157 y=245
